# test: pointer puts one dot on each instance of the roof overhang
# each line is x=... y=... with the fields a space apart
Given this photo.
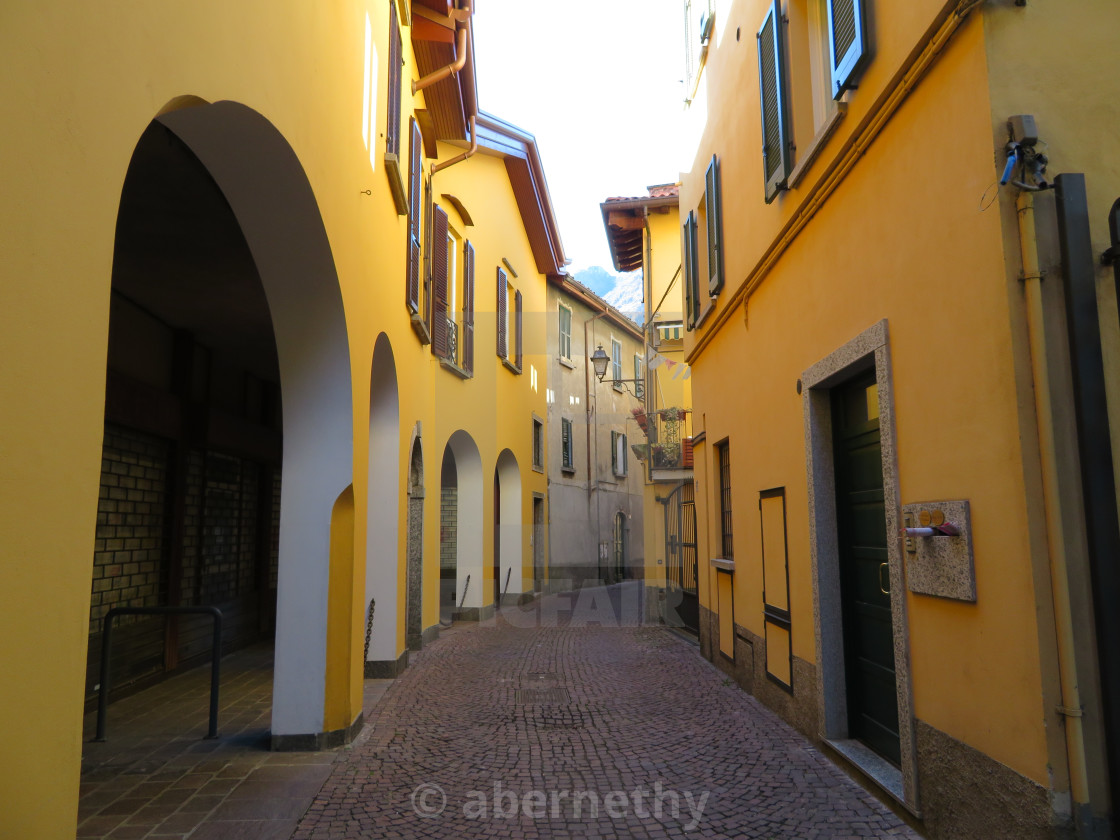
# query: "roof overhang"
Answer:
x=624 y=221
x=450 y=102
x=526 y=175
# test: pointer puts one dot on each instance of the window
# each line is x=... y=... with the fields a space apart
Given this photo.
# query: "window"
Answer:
x=698 y=29
x=567 y=455
x=393 y=116
x=639 y=378
x=723 y=455
x=510 y=310
x=774 y=101
x=616 y=363
x=415 y=188
x=565 y=333
x=538 y=444
x=618 y=453
x=689 y=268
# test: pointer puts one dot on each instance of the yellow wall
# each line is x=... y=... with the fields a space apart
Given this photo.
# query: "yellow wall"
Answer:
x=939 y=280
x=86 y=82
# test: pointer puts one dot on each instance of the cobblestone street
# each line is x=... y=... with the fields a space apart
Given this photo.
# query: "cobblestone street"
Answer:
x=564 y=721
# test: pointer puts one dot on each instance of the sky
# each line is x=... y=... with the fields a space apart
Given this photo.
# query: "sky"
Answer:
x=598 y=82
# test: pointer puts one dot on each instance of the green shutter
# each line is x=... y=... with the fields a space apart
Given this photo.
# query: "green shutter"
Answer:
x=687 y=268
x=714 y=208
x=848 y=43
x=774 y=102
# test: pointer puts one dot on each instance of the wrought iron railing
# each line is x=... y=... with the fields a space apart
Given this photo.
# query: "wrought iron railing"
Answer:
x=452 y=342
x=669 y=432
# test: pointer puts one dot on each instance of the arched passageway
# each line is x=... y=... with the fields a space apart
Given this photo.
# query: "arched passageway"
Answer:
x=382 y=659
x=507 y=528
x=462 y=590
x=228 y=441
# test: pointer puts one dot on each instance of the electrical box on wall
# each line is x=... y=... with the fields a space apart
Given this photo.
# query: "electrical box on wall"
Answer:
x=937 y=538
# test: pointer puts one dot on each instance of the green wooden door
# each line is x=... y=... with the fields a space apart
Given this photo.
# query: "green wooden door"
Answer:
x=864 y=572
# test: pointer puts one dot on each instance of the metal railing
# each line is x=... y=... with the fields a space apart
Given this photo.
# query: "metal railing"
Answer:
x=670 y=438
x=107 y=649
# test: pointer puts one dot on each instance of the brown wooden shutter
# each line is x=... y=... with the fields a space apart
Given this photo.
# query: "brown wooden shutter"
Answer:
x=439 y=283
x=518 y=312
x=503 y=316
x=468 y=308
x=415 y=189
x=393 y=128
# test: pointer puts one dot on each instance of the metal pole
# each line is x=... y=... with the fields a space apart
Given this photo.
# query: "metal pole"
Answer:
x=215 y=673
x=103 y=688
x=1094 y=442
x=107 y=648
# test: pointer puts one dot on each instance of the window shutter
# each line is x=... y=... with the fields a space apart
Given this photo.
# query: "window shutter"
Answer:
x=622 y=453
x=503 y=316
x=518 y=313
x=847 y=42
x=415 y=170
x=692 y=279
x=468 y=308
x=714 y=205
x=772 y=95
x=566 y=441
x=439 y=283
x=393 y=128
x=688 y=267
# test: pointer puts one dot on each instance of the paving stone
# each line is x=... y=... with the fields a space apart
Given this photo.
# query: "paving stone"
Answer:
x=637 y=737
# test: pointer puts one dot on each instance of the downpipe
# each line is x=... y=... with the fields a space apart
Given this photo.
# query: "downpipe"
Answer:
x=1055 y=535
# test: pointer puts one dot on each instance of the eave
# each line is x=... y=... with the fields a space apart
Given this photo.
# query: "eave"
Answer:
x=624 y=221
x=522 y=159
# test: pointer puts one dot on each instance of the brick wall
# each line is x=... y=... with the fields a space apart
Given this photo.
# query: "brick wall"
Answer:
x=129 y=566
x=448 y=526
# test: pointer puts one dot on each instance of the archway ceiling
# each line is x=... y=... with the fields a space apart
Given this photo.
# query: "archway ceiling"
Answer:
x=180 y=254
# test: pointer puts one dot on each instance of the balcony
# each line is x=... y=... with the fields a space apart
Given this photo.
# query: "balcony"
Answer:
x=669 y=448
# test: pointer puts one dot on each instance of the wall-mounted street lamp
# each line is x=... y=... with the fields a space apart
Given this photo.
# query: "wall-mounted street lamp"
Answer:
x=600 y=360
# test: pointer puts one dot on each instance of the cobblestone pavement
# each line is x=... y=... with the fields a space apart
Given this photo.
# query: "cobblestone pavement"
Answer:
x=564 y=722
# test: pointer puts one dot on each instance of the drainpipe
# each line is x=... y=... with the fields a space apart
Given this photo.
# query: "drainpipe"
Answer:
x=460 y=158
x=460 y=52
x=1059 y=580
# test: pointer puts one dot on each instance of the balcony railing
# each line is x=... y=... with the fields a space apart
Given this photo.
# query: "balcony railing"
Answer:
x=669 y=432
x=452 y=342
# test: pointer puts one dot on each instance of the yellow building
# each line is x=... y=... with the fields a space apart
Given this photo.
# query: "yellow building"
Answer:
x=266 y=270
x=883 y=336
x=644 y=235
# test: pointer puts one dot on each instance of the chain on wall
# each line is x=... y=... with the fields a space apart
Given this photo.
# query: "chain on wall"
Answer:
x=369 y=630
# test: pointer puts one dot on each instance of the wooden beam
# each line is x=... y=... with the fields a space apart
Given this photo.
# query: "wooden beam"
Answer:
x=625 y=221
